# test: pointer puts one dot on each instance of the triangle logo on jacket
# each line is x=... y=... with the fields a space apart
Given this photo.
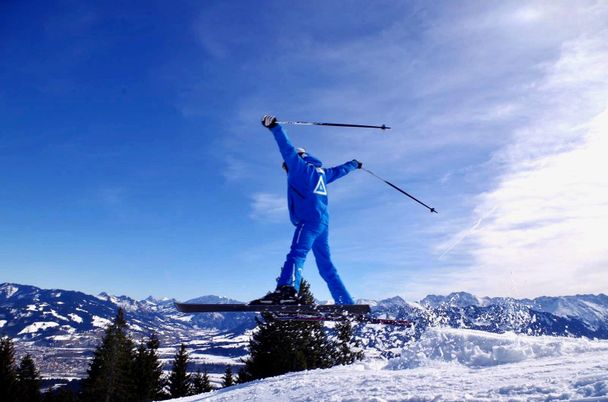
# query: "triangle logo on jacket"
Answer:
x=320 y=188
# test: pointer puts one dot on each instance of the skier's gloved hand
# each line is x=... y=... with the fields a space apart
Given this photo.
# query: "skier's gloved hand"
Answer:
x=359 y=164
x=269 y=121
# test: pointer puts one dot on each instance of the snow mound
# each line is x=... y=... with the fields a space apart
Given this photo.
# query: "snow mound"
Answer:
x=448 y=365
x=482 y=349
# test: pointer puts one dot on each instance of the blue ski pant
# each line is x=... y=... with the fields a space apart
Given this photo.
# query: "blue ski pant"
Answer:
x=313 y=236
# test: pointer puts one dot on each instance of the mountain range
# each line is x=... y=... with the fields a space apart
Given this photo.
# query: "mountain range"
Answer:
x=61 y=328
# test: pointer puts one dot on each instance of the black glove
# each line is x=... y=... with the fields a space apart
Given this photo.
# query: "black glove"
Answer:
x=359 y=164
x=269 y=121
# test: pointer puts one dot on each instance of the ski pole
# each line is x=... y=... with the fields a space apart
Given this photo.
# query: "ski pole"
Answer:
x=400 y=190
x=314 y=123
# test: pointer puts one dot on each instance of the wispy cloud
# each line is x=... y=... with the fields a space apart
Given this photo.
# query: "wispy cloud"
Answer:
x=548 y=231
x=550 y=224
x=269 y=207
x=236 y=169
x=458 y=238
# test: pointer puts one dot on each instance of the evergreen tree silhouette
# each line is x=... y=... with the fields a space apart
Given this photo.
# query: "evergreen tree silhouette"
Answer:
x=28 y=378
x=8 y=371
x=110 y=375
x=148 y=372
x=347 y=349
x=201 y=382
x=227 y=379
x=179 y=379
x=278 y=347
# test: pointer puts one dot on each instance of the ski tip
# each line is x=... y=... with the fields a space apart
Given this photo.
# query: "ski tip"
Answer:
x=384 y=127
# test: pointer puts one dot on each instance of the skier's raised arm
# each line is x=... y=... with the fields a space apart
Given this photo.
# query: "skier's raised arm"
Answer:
x=286 y=148
x=335 y=173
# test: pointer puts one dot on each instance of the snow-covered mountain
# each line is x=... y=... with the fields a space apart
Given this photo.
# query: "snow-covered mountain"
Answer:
x=61 y=328
x=448 y=364
x=48 y=316
x=579 y=315
x=65 y=326
x=516 y=317
x=592 y=309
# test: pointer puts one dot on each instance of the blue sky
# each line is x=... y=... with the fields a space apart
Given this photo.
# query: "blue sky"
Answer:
x=134 y=163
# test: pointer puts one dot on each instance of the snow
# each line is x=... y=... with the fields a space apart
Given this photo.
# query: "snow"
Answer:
x=57 y=315
x=185 y=318
x=68 y=329
x=75 y=318
x=476 y=349
x=453 y=365
x=61 y=337
x=205 y=358
x=589 y=308
x=66 y=336
x=100 y=322
x=135 y=327
x=8 y=290
x=37 y=326
x=2 y=323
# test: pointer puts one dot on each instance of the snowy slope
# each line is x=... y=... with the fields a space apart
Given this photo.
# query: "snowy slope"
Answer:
x=450 y=365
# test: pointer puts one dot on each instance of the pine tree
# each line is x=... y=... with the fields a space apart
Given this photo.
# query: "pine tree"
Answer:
x=110 y=375
x=8 y=371
x=148 y=372
x=201 y=382
x=180 y=380
x=347 y=349
x=227 y=379
x=278 y=347
x=28 y=377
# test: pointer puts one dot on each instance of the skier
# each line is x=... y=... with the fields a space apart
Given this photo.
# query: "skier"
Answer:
x=307 y=201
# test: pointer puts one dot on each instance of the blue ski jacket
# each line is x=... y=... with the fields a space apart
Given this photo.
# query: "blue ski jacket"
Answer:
x=307 y=181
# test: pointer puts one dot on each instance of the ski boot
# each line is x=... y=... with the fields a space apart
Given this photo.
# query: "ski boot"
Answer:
x=284 y=295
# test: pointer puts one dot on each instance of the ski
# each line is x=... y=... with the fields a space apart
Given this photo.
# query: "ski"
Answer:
x=315 y=313
x=274 y=308
x=366 y=319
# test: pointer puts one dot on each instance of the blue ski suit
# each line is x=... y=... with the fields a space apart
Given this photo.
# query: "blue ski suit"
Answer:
x=307 y=200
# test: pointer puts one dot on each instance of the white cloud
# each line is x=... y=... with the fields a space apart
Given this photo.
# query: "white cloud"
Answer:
x=234 y=169
x=551 y=222
x=548 y=231
x=269 y=207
